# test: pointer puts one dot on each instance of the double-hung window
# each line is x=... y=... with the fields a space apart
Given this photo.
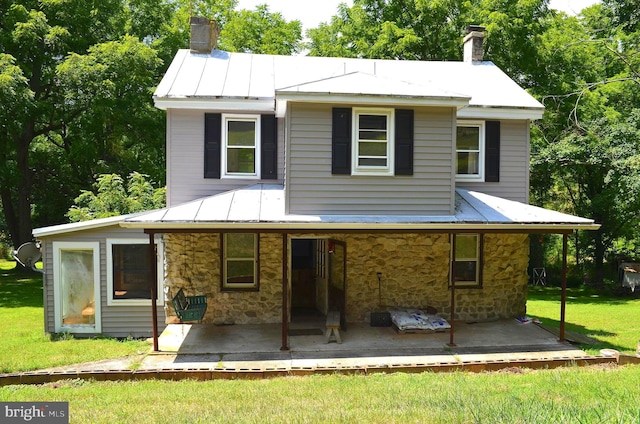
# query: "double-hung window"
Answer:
x=240 y=261
x=373 y=141
x=241 y=140
x=467 y=260
x=470 y=145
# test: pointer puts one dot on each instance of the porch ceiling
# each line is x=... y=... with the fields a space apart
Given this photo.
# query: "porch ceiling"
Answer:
x=262 y=207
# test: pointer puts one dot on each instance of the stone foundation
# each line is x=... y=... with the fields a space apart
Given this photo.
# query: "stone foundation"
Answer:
x=414 y=273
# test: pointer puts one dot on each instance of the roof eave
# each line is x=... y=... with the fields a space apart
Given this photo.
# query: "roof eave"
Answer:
x=364 y=226
x=373 y=99
x=265 y=104
x=501 y=112
x=78 y=226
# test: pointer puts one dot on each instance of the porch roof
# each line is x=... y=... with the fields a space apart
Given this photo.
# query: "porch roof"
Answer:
x=262 y=207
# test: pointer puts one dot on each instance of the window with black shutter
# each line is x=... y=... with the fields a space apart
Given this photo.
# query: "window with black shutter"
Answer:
x=240 y=146
x=372 y=141
x=478 y=151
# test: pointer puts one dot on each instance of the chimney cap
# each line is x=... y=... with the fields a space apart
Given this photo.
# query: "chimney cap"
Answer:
x=475 y=28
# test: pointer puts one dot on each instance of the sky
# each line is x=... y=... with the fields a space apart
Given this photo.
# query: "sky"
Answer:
x=312 y=12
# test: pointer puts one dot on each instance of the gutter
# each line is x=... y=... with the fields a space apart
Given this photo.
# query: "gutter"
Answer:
x=362 y=227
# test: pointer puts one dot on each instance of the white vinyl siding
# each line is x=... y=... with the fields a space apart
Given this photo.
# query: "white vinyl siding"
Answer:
x=185 y=164
x=311 y=188
x=514 y=164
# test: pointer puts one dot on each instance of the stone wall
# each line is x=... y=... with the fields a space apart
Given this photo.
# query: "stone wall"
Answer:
x=414 y=273
x=192 y=262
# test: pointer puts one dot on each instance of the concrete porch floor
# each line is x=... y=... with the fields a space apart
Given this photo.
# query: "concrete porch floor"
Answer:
x=201 y=346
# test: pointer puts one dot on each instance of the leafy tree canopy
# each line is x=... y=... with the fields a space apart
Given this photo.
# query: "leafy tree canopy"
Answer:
x=76 y=84
x=112 y=198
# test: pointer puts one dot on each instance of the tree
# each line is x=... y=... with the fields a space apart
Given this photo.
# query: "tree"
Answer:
x=77 y=78
x=394 y=29
x=433 y=30
x=585 y=157
x=599 y=167
x=71 y=130
x=260 y=31
x=112 y=198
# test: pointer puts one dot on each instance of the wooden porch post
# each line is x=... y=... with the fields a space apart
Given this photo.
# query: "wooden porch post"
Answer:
x=153 y=277
x=563 y=297
x=285 y=294
x=452 y=282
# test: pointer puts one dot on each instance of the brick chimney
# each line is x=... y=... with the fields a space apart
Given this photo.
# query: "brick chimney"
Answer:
x=204 y=35
x=473 y=44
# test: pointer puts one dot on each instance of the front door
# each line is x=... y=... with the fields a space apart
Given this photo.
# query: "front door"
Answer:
x=338 y=279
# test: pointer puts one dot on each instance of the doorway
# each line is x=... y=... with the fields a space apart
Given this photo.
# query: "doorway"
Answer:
x=308 y=281
x=318 y=279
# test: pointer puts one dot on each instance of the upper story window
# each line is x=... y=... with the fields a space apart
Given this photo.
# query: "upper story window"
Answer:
x=470 y=151
x=240 y=146
x=373 y=142
x=241 y=139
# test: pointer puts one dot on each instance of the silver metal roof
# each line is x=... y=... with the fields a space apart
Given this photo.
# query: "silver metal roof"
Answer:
x=260 y=81
x=263 y=206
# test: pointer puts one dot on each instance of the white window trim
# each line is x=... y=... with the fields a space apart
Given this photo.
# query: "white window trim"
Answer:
x=247 y=118
x=468 y=177
x=373 y=170
x=475 y=283
x=96 y=327
x=240 y=286
x=159 y=273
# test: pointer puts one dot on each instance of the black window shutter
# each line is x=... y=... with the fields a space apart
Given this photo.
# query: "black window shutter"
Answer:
x=212 y=144
x=341 y=141
x=492 y=152
x=269 y=147
x=404 y=142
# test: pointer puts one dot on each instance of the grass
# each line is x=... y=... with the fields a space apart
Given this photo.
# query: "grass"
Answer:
x=612 y=321
x=22 y=330
x=569 y=395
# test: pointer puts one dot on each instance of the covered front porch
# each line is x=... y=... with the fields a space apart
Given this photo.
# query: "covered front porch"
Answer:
x=411 y=256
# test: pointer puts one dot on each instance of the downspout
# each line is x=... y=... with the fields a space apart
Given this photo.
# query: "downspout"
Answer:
x=452 y=282
x=285 y=294
x=153 y=277
x=563 y=296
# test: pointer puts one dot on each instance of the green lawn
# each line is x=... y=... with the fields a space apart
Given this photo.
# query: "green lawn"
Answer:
x=568 y=395
x=25 y=345
x=600 y=394
x=613 y=321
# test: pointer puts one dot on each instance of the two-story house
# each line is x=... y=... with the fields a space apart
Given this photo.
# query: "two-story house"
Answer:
x=312 y=183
